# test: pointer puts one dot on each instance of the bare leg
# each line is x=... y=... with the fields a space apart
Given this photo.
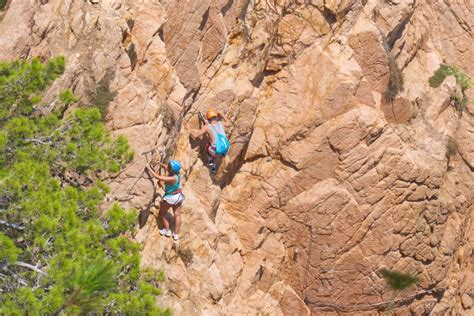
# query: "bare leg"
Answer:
x=177 y=217
x=210 y=154
x=164 y=207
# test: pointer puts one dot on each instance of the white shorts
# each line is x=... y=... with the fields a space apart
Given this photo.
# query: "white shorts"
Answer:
x=174 y=199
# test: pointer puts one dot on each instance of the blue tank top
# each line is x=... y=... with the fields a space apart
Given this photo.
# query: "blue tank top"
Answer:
x=170 y=188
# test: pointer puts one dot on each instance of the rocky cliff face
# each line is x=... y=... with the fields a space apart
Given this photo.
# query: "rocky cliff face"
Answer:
x=343 y=160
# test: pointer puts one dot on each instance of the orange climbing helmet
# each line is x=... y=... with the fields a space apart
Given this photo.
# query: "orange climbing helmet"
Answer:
x=211 y=113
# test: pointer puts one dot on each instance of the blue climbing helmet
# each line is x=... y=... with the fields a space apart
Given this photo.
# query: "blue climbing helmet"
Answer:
x=175 y=166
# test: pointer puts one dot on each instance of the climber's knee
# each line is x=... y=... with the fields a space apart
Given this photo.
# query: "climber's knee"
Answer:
x=211 y=150
x=177 y=210
x=164 y=207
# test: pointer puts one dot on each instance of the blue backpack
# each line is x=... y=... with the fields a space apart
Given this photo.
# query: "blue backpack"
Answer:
x=222 y=143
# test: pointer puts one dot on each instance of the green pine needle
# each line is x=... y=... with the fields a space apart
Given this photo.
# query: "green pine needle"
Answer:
x=443 y=71
x=48 y=184
x=93 y=278
x=398 y=281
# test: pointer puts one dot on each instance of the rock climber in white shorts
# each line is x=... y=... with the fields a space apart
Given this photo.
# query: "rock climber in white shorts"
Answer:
x=173 y=197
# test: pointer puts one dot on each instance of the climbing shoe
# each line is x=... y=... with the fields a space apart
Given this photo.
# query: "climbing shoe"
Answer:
x=212 y=166
x=165 y=232
x=175 y=237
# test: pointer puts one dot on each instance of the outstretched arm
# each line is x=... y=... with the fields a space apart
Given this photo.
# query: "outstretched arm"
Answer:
x=152 y=172
x=225 y=120
x=161 y=178
x=196 y=133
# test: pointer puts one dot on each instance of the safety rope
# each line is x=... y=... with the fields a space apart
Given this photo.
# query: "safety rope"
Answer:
x=308 y=226
x=339 y=307
x=166 y=153
x=145 y=128
x=367 y=307
x=140 y=176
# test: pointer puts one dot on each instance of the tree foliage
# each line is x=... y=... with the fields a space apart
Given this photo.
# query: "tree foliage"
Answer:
x=459 y=98
x=90 y=281
x=443 y=71
x=57 y=253
x=22 y=81
x=398 y=280
x=68 y=97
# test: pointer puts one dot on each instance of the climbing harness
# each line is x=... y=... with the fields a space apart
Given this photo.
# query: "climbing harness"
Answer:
x=173 y=193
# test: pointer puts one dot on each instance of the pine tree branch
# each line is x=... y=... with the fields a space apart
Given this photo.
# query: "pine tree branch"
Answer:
x=39 y=141
x=70 y=301
x=11 y=225
x=16 y=276
x=29 y=266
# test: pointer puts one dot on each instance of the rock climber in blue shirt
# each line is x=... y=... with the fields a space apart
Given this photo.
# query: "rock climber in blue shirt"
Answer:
x=173 y=197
